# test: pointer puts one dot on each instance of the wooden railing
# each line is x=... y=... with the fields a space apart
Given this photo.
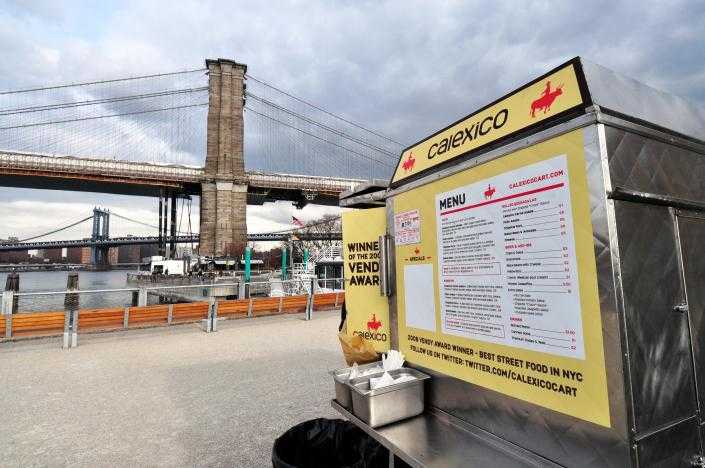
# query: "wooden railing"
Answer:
x=33 y=324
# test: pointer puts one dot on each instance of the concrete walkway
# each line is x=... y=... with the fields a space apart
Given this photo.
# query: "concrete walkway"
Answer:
x=166 y=396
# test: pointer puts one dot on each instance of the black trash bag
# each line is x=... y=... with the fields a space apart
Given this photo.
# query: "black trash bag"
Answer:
x=328 y=443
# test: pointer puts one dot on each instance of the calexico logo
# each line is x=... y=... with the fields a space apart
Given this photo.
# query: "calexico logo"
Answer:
x=374 y=324
x=475 y=130
x=552 y=94
x=372 y=333
x=408 y=164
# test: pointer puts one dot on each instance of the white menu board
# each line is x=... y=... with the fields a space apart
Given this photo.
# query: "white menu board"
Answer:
x=508 y=271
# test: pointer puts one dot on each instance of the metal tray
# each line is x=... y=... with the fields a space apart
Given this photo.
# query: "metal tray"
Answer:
x=388 y=404
x=340 y=377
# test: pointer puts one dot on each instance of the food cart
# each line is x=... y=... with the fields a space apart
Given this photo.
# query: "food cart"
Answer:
x=544 y=262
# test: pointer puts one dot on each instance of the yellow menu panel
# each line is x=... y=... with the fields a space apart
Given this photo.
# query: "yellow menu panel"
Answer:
x=499 y=285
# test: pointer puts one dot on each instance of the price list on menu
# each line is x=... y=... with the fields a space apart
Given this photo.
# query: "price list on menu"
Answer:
x=507 y=260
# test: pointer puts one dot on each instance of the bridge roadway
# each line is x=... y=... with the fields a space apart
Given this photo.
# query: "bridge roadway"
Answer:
x=133 y=240
x=41 y=171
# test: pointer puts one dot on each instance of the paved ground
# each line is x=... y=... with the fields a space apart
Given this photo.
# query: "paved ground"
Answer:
x=167 y=396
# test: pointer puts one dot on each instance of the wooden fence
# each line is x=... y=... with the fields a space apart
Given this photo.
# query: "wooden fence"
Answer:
x=33 y=324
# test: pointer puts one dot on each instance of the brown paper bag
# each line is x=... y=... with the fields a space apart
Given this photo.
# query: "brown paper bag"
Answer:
x=356 y=349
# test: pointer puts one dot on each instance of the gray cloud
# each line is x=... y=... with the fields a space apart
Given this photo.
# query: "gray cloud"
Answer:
x=405 y=68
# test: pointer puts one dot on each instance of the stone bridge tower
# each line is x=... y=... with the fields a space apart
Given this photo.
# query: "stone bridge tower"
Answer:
x=224 y=190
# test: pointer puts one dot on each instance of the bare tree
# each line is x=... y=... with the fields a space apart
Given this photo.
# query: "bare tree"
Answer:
x=328 y=226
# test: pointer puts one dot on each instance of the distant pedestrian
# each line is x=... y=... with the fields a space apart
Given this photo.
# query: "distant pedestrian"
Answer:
x=343 y=316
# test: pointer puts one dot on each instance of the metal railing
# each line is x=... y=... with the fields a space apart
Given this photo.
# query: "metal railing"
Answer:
x=56 y=312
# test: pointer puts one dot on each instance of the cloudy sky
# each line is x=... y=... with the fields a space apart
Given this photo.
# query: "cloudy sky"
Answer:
x=404 y=68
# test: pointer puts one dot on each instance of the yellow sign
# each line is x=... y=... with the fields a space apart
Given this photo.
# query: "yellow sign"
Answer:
x=367 y=309
x=548 y=97
x=501 y=290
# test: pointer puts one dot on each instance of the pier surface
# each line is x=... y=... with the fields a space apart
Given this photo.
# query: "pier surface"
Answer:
x=166 y=396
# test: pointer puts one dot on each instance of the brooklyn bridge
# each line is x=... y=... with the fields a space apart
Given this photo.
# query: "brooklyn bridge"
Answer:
x=216 y=133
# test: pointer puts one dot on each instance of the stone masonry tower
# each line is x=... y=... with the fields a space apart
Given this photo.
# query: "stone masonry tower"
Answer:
x=224 y=191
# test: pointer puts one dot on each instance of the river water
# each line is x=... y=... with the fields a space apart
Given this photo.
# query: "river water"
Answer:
x=34 y=281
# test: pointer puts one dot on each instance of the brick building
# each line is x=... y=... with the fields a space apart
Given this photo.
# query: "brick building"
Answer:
x=53 y=255
x=129 y=254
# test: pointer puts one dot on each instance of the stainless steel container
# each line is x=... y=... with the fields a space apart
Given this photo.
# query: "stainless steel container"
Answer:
x=388 y=404
x=341 y=377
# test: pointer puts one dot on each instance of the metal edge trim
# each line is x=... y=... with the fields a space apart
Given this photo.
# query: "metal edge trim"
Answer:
x=383 y=265
x=624 y=194
x=580 y=121
x=610 y=327
x=365 y=186
x=375 y=198
x=664 y=427
x=684 y=300
x=391 y=259
x=618 y=292
x=689 y=214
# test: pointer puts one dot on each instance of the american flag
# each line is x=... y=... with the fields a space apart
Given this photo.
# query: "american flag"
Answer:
x=297 y=221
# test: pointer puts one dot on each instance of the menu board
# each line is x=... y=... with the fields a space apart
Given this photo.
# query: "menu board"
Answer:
x=501 y=290
x=507 y=261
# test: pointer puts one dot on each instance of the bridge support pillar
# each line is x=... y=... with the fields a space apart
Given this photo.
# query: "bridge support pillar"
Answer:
x=224 y=194
x=223 y=219
x=208 y=214
x=101 y=231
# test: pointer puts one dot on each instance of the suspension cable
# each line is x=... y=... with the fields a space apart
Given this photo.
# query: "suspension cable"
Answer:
x=140 y=222
x=93 y=102
x=318 y=124
x=55 y=230
x=52 y=122
x=315 y=136
x=322 y=110
x=87 y=83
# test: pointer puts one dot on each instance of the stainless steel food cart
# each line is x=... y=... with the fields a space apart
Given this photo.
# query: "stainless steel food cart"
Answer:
x=640 y=174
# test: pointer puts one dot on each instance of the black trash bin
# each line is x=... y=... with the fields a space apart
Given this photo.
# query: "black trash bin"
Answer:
x=328 y=443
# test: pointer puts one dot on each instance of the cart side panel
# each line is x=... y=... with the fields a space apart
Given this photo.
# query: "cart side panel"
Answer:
x=691 y=231
x=660 y=363
x=648 y=165
x=663 y=172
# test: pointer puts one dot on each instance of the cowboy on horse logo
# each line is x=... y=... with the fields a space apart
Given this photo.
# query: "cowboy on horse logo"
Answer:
x=489 y=192
x=409 y=163
x=374 y=324
x=546 y=99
